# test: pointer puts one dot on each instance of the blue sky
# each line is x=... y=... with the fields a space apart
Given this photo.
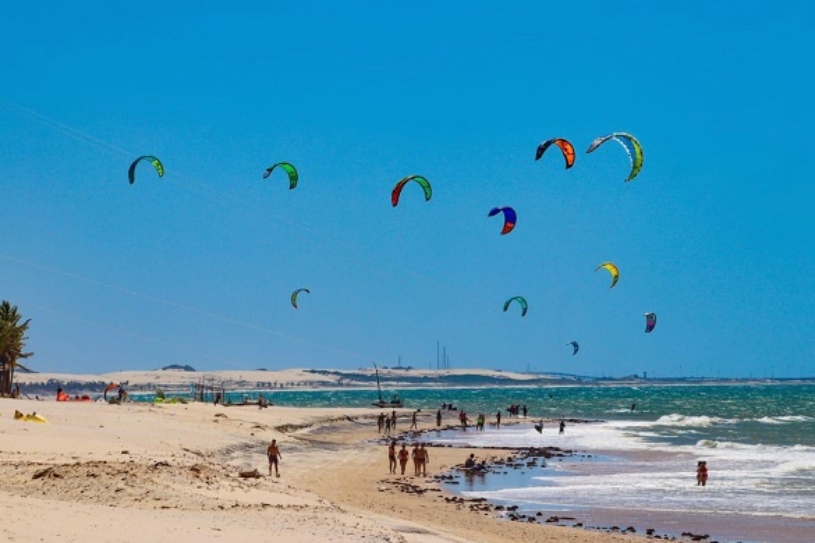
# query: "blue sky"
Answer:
x=715 y=235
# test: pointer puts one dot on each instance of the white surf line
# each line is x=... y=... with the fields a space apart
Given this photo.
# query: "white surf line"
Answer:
x=188 y=308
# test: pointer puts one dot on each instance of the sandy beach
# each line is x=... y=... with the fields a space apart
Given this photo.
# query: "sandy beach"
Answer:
x=136 y=472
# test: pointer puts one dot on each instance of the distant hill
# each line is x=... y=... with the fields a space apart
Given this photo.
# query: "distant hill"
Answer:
x=178 y=367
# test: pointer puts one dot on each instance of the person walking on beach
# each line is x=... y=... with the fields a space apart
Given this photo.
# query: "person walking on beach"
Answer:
x=387 y=425
x=562 y=426
x=438 y=417
x=392 y=457
x=524 y=410
x=273 y=453
x=393 y=420
x=425 y=459
x=403 y=454
x=414 y=425
x=417 y=460
x=498 y=419
x=380 y=421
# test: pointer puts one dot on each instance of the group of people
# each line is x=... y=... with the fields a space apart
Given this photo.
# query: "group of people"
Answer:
x=517 y=409
x=387 y=423
x=420 y=455
x=472 y=465
x=479 y=422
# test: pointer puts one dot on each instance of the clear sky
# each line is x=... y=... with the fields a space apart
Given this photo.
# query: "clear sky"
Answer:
x=715 y=235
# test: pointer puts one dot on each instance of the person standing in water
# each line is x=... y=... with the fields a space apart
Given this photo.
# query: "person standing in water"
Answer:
x=562 y=426
x=273 y=453
x=701 y=473
x=498 y=419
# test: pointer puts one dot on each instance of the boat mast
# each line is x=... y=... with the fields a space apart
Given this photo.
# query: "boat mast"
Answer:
x=378 y=388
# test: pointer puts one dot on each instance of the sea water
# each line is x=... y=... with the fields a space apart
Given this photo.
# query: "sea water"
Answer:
x=758 y=442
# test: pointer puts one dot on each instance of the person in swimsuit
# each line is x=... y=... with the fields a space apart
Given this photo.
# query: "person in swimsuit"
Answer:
x=273 y=452
x=392 y=457
x=425 y=458
x=404 y=454
x=701 y=473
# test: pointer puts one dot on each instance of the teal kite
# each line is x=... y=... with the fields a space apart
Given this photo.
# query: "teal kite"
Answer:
x=521 y=301
x=131 y=173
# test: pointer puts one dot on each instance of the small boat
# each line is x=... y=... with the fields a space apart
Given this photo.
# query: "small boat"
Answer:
x=395 y=401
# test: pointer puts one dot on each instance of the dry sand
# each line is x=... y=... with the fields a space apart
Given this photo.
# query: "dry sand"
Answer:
x=136 y=472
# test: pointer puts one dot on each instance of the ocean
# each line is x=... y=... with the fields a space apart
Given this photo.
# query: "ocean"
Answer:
x=637 y=466
x=758 y=442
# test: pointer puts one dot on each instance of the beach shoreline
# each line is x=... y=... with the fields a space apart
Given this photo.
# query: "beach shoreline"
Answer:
x=93 y=455
x=172 y=465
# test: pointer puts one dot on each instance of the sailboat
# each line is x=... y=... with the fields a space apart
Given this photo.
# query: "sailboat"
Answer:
x=395 y=401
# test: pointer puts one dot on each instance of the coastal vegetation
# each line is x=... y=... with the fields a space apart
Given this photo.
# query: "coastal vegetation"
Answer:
x=12 y=344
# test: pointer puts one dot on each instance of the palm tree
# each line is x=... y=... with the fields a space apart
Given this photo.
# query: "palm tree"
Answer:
x=12 y=343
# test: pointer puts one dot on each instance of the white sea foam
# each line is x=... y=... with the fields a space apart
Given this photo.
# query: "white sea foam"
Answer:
x=675 y=419
x=784 y=420
x=755 y=479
